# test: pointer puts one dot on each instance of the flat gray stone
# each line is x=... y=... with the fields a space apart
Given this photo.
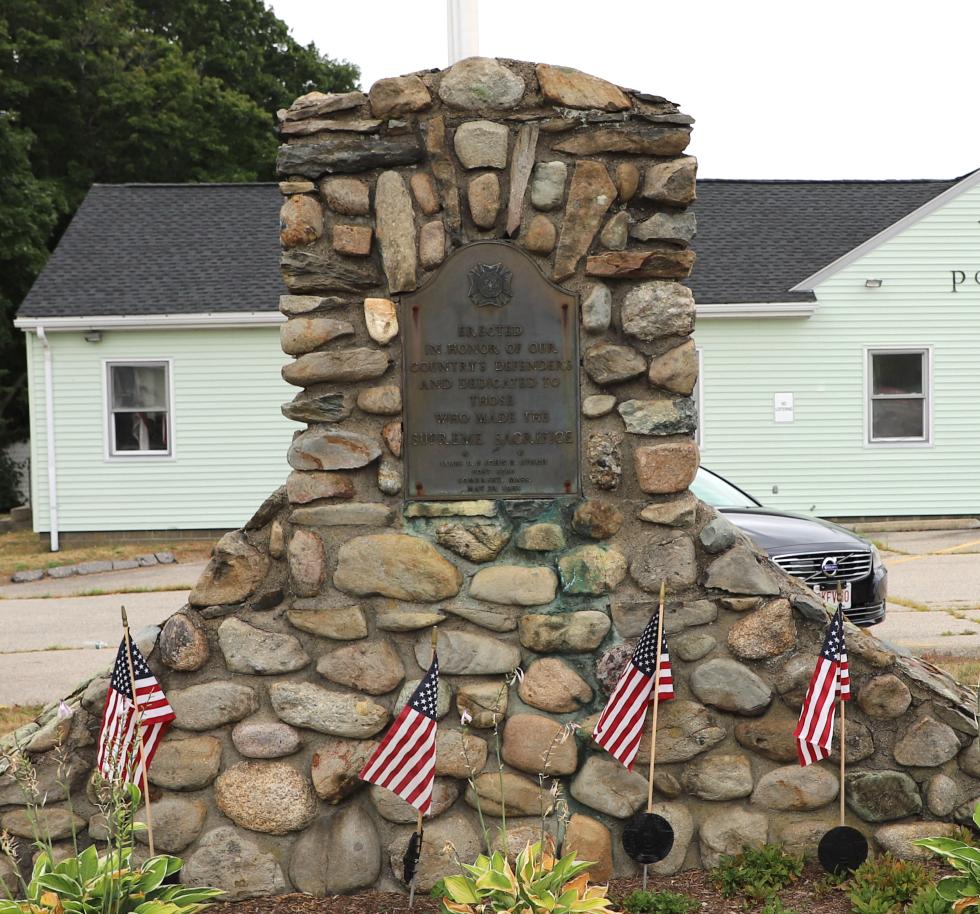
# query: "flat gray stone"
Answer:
x=719 y=776
x=481 y=144
x=658 y=308
x=348 y=514
x=607 y=787
x=718 y=535
x=337 y=855
x=607 y=363
x=677 y=416
x=395 y=221
x=739 y=571
x=729 y=834
x=265 y=739
x=177 y=822
x=252 y=650
x=677 y=228
x=211 y=704
x=480 y=82
x=269 y=797
x=303 y=704
x=462 y=653
x=881 y=796
x=227 y=859
x=186 y=764
x=548 y=185
x=597 y=309
x=514 y=585
x=343 y=365
x=332 y=449
x=795 y=789
x=730 y=686
x=926 y=744
x=94 y=567
x=348 y=155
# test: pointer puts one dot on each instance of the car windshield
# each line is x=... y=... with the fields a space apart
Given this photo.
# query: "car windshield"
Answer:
x=718 y=493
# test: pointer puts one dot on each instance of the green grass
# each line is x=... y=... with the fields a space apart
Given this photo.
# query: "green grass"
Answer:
x=964 y=669
x=14 y=716
x=103 y=592
x=22 y=550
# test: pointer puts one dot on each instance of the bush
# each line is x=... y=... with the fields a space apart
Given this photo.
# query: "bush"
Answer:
x=755 y=874
x=537 y=884
x=884 y=885
x=962 y=891
x=929 y=901
x=640 y=902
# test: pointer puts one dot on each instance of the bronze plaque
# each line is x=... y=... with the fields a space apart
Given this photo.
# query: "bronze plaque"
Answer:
x=491 y=381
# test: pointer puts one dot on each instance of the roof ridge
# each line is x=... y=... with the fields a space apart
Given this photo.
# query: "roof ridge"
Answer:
x=186 y=184
x=826 y=181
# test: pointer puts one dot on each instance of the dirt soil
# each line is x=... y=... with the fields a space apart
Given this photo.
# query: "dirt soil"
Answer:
x=810 y=893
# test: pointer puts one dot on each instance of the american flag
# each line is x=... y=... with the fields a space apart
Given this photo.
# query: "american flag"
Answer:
x=119 y=749
x=831 y=680
x=405 y=762
x=620 y=725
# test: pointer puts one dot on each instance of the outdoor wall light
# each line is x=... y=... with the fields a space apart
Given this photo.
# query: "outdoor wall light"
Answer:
x=93 y=336
x=873 y=283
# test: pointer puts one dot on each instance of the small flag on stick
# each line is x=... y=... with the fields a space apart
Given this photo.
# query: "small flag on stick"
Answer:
x=620 y=725
x=132 y=713
x=405 y=762
x=831 y=681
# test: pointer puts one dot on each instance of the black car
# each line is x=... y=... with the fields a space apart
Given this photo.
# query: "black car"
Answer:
x=826 y=557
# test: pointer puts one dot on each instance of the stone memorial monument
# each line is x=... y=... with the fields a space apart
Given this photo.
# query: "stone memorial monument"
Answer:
x=490 y=337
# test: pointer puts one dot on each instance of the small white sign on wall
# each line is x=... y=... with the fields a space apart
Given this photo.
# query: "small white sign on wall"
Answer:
x=782 y=407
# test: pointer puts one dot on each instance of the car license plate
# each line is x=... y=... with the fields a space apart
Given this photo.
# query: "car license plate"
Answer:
x=834 y=597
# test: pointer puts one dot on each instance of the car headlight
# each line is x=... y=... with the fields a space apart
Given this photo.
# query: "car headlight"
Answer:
x=876 y=562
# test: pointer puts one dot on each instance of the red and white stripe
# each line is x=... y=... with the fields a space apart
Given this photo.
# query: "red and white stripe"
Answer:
x=405 y=762
x=620 y=725
x=119 y=750
x=815 y=731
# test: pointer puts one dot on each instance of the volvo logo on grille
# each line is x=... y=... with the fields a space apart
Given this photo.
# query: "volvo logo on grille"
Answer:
x=830 y=566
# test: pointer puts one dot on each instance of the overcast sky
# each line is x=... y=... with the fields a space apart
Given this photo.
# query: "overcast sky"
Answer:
x=782 y=89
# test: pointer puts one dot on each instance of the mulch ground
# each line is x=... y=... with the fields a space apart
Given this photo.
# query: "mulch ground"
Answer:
x=810 y=893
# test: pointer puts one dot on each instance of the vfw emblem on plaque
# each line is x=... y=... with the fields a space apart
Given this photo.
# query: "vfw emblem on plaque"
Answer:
x=490 y=285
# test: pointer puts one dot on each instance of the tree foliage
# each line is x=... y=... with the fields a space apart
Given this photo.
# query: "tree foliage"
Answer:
x=130 y=90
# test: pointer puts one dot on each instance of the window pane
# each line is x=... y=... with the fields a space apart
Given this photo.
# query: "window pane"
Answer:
x=897 y=372
x=898 y=418
x=139 y=386
x=140 y=431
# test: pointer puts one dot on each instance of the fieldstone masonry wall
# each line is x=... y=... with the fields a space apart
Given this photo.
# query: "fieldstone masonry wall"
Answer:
x=311 y=624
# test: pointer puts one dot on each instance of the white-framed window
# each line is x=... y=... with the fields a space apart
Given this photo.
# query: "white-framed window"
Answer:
x=898 y=400
x=139 y=408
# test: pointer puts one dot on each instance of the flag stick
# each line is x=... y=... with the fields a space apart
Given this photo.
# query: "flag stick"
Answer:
x=656 y=708
x=656 y=695
x=418 y=819
x=843 y=753
x=840 y=702
x=139 y=729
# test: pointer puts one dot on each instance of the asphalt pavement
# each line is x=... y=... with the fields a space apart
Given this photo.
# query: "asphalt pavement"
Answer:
x=49 y=645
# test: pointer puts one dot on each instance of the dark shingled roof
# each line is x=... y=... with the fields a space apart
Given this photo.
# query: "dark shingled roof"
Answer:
x=164 y=249
x=196 y=248
x=758 y=239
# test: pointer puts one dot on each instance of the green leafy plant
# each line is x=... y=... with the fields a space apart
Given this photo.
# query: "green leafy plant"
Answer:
x=774 y=905
x=884 y=885
x=640 y=902
x=929 y=901
x=90 y=884
x=961 y=891
x=87 y=882
x=536 y=884
x=757 y=873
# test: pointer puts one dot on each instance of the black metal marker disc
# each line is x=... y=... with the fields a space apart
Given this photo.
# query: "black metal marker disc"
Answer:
x=842 y=850
x=648 y=838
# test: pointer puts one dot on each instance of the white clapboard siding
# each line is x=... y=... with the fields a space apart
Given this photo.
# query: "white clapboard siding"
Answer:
x=230 y=438
x=820 y=462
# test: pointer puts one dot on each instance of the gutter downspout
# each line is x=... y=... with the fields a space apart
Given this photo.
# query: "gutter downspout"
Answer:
x=49 y=422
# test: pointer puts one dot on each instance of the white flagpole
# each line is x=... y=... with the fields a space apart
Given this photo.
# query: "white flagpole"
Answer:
x=462 y=29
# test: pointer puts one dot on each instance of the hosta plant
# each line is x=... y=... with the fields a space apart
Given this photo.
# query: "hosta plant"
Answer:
x=538 y=883
x=110 y=884
x=961 y=891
